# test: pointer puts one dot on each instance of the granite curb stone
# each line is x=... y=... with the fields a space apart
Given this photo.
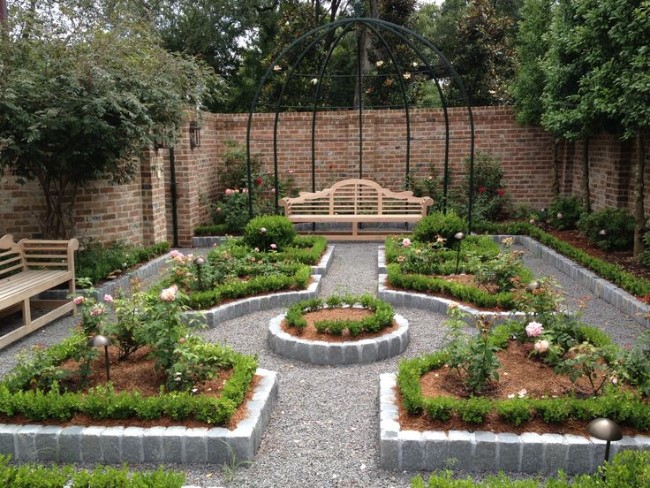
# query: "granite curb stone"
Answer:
x=174 y=445
x=485 y=451
x=337 y=353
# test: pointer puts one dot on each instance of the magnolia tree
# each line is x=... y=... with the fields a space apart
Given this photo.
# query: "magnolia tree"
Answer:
x=81 y=102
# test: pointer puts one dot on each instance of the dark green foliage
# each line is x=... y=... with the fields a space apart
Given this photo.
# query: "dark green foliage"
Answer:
x=269 y=232
x=438 y=224
x=440 y=408
x=564 y=212
x=97 y=261
x=211 y=230
x=474 y=409
x=644 y=257
x=515 y=411
x=490 y=198
x=611 y=229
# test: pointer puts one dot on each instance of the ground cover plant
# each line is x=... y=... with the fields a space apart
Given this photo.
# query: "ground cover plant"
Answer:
x=599 y=378
x=269 y=257
x=627 y=468
x=41 y=476
x=192 y=379
x=380 y=318
x=441 y=260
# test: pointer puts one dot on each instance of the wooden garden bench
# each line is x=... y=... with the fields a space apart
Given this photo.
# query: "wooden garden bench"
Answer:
x=28 y=268
x=354 y=201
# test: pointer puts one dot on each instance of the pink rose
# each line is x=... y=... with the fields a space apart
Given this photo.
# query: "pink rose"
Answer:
x=229 y=191
x=79 y=300
x=273 y=246
x=108 y=298
x=406 y=242
x=97 y=310
x=169 y=294
x=175 y=253
x=541 y=346
x=534 y=329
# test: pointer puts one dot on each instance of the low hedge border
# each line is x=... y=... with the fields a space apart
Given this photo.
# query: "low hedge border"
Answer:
x=299 y=277
x=381 y=318
x=105 y=403
x=305 y=250
x=625 y=408
x=611 y=272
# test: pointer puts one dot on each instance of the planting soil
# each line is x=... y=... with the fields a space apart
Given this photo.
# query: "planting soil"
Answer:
x=311 y=334
x=519 y=376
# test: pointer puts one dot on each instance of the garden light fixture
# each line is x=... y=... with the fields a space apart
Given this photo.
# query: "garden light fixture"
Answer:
x=605 y=430
x=532 y=286
x=102 y=341
x=199 y=262
x=459 y=236
x=195 y=134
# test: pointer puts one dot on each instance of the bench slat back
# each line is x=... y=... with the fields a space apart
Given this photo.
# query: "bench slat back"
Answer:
x=11 y=259
x=49 y=254
x=356 y=197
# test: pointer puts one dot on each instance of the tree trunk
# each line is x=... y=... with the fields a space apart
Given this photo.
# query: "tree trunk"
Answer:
x=365 y=45
x=586 y=195
x=555 y=183
x=639 y=211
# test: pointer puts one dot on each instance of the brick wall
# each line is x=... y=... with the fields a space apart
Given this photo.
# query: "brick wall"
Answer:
x=141 y=211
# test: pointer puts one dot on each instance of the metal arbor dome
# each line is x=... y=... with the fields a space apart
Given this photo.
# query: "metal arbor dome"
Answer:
x=434 y=67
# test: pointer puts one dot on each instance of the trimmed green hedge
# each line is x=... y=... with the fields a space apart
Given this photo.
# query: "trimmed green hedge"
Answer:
x=381 y=318
x=16 y=397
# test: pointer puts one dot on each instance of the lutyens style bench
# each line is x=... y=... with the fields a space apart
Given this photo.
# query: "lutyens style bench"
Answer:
x=27 y=269
x=354 y=201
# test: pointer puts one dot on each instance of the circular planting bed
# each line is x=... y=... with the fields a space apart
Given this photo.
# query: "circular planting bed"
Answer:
x=339 y=330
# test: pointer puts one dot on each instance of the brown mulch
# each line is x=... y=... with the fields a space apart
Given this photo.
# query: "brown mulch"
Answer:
x=518 y=372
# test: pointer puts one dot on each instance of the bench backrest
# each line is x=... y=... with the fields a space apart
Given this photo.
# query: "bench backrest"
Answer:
x=37 y=254
x=356 y=197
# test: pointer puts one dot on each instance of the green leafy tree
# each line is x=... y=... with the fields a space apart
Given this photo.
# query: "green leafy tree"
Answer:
x=82 y=102
x=613 y=39
x=485 y=57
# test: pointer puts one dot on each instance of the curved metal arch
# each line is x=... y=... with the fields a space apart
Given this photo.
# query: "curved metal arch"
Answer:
x=403 y=33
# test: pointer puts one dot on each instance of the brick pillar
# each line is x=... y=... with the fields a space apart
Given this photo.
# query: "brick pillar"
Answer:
x=154 y=216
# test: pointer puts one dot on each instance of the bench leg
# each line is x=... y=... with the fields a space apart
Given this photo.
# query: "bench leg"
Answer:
x=27 y=313
x=355 y=229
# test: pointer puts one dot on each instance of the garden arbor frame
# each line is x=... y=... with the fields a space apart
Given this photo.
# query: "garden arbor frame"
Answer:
x=436 y=68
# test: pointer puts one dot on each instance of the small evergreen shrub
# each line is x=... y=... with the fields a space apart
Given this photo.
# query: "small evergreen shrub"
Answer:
x=438 y=224
x=564 y=212
x=644 y=257
x=269 y=232
x=611 y=229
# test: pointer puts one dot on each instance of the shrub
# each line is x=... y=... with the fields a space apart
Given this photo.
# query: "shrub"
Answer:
x=611 y=229
x=269 y=232
x=515 y=411
x=438 y=224
x=644 y=257
x=564 y=212
x=232 y=211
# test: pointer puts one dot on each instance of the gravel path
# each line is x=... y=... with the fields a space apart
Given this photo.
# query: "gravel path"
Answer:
x=324 y=431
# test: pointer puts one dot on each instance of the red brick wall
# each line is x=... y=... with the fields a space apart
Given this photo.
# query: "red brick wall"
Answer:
x=141 y=211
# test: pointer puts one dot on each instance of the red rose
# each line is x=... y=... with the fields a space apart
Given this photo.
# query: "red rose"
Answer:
x=501 y=192
x=259 y=181
x=482 y=189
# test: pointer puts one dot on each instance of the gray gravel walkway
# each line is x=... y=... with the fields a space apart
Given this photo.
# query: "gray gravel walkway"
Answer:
x=324 y=431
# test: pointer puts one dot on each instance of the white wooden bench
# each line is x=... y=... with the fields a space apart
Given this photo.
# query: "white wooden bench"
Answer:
x=27 y=269
x=354 y=201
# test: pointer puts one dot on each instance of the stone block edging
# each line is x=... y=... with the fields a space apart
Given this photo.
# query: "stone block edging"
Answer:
x=612 y=294
x=401 y=298
x=409 y=450
x=227 y=311
x=338 y=353
x=117 y=445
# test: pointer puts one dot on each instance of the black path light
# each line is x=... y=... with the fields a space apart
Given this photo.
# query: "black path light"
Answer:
x=102 y=341
x=199 y=262
x=459 y=236
x=605 y=430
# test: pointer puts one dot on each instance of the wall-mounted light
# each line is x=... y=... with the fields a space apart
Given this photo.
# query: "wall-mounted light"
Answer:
x=195 y=134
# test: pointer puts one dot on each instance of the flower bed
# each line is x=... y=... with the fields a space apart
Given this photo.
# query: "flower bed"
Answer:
x=473 y=271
